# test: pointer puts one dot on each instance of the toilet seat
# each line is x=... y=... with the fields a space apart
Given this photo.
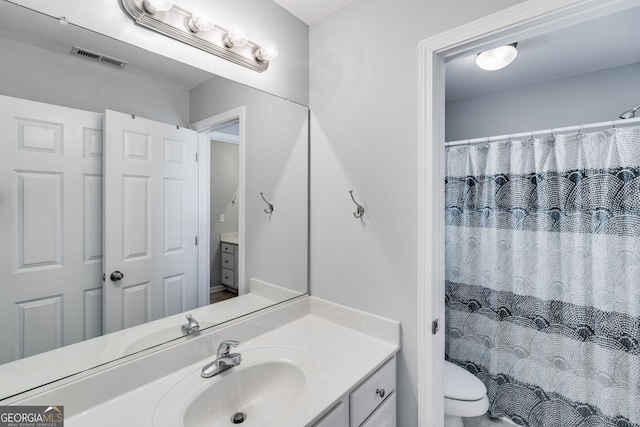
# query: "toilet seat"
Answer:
x=460 y=384
x=465 y=395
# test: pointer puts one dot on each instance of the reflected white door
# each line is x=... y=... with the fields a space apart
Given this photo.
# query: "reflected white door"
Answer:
x=150 y=226
x=50 y=227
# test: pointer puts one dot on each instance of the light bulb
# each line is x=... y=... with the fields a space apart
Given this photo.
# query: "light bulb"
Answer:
x=153 y=6
x=236 y=36
x=201 y=22
x=267 y=50
x=495 y=59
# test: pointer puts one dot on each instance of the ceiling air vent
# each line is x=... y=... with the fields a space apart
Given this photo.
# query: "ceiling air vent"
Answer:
x=98 y=57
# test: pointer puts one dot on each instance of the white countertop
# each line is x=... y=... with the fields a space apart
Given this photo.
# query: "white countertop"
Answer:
x=44 y=368
x=229 y=237
x=338 y=371
x=344 y=353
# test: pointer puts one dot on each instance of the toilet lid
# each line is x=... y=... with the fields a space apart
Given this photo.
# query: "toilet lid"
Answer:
x=461 y=384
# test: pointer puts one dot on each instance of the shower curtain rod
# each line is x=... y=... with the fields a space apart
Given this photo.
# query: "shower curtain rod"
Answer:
x=474 y=141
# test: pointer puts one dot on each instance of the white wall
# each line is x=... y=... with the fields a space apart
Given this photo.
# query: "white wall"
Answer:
x=287 y=75
x=587 y=98
x=364 y=101
x=41 y=75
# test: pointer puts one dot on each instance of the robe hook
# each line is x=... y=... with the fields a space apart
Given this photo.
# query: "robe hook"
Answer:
x=270 y=206
x=359 y=210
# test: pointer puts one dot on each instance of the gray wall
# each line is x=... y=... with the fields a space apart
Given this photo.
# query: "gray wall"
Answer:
x=364 y=99
x=225 y=169
x=276 y=161
x=41 y=75
x=588 y=98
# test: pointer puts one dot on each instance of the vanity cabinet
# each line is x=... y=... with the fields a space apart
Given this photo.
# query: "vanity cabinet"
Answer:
x=337 y=417
x=229 y=270
x=372 y=403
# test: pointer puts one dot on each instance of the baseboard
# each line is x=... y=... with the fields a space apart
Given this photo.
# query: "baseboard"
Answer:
x=217 y=288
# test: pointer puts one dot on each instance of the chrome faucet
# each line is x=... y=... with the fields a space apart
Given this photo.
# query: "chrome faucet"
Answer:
x=190 y=328
x=224 y=359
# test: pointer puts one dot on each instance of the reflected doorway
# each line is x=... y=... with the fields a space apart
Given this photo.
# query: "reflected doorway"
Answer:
x=224 y=210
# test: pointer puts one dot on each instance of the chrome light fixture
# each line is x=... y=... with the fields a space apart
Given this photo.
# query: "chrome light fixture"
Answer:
x=268 y=50
x=154 y=6
x=201 y=22
x=201 y=31
x=236 y=36
x=497 y=58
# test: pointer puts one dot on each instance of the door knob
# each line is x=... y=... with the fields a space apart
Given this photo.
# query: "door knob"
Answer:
x=116 y=275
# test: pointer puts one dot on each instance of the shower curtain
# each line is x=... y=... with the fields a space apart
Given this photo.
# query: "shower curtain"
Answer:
x=543 y=276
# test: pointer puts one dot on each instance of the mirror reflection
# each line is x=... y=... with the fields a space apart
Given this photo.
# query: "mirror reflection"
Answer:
x=224 y=209
x=112 y=231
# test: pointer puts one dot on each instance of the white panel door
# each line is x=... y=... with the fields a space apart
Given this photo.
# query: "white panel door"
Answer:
x=50 y=227
x=150 y=211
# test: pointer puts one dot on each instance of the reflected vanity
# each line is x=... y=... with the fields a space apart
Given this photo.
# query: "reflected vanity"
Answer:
x=270 y=256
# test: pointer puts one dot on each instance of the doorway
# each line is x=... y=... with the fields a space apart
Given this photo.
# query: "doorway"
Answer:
x=224 y=210
x=220 y=194
x=521 y=21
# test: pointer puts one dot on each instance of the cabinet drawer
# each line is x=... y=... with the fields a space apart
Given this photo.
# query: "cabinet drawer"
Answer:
x=385 y=415
x=372 y=392
x=228 y=248
x=227 y=261
x=228 y=277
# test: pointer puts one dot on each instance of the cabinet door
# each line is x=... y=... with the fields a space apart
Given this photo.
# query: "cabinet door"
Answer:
x=372 y=392
x=336 y=418
x=385 y=415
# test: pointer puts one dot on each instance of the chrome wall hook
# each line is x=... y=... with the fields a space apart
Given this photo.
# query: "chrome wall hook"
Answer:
x=359 y=210
x=270 y=206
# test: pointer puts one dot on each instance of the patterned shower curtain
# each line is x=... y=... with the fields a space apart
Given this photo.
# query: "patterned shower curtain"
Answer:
x=543 y=276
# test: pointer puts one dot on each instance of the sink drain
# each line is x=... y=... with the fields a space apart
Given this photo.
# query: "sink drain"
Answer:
x=238 y=418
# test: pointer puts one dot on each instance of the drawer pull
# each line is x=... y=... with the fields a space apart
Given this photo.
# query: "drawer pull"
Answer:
x=380 y=392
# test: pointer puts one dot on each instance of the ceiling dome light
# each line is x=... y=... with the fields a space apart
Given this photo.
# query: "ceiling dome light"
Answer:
x=153 y=6
x=495 y=59
x=201 y=22
x=236 y=36
x=268 y=50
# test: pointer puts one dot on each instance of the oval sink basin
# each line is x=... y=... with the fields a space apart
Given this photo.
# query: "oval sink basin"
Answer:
x=143 y=342
x=141 y=337
x=257 y=394
x=261 y=391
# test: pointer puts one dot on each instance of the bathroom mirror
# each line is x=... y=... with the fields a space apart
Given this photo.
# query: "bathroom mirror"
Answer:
x=271 y=248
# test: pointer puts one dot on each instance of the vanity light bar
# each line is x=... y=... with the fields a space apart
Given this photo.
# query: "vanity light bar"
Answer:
x=177 y=23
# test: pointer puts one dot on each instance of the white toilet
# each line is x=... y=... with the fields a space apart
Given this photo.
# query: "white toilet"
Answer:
x=464 y=395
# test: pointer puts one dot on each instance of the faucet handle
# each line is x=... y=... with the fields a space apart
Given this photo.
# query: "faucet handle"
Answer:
x=192 y=327
x=225 y=347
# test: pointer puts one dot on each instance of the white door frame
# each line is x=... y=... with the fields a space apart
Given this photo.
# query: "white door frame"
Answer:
x=204 y=127
x=519 y=22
